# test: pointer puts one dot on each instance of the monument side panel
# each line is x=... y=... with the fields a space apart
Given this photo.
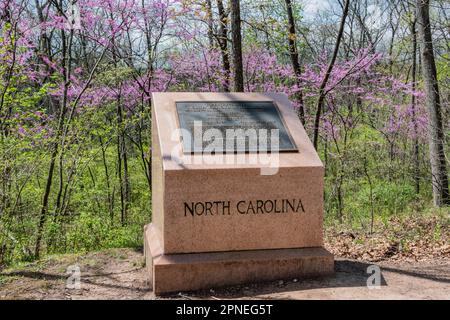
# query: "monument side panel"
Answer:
x=157 y=178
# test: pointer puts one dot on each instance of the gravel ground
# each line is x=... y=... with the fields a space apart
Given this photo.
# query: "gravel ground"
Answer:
x=120 y=274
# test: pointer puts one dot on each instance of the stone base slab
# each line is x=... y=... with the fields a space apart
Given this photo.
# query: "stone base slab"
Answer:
x=194 y=271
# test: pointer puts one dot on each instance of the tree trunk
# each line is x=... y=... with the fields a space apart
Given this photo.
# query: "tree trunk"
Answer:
x=237 y=46
x=293 y=52
x=107 y=179
x=122 y=167
x=413 y=107
x=391 y=46
x=223 y=44
x=122 y=163
x=67 y=60
x=322 y=92
x=210 y=24
x=44 y=40
x=436 y=134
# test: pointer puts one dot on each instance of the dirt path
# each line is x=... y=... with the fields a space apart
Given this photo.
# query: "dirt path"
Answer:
x=119 y=274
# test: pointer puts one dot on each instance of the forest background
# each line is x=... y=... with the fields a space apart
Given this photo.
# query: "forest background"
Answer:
x=370 y=81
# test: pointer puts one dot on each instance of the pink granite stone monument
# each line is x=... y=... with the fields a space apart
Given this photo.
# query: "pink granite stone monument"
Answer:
x=237 y=193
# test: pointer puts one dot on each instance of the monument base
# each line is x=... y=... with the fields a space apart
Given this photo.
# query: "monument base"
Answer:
x=194 y=271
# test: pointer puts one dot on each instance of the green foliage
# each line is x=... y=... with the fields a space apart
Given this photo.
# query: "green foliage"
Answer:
x=389 y=198
x=364 y=178
x=90 y=216
x=92 y=205
x=443 y=67
x=272 y=19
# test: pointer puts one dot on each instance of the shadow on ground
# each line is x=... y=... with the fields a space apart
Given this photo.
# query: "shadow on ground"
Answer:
x=347 y=274
x=120 y=274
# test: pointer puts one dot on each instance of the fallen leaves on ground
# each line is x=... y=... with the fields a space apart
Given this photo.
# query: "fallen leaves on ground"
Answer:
x=412 y=238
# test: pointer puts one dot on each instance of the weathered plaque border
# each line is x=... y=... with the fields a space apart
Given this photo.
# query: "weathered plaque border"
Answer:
x=294 y=145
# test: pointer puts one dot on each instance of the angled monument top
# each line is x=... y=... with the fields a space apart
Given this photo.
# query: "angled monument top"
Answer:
x=173 y=112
